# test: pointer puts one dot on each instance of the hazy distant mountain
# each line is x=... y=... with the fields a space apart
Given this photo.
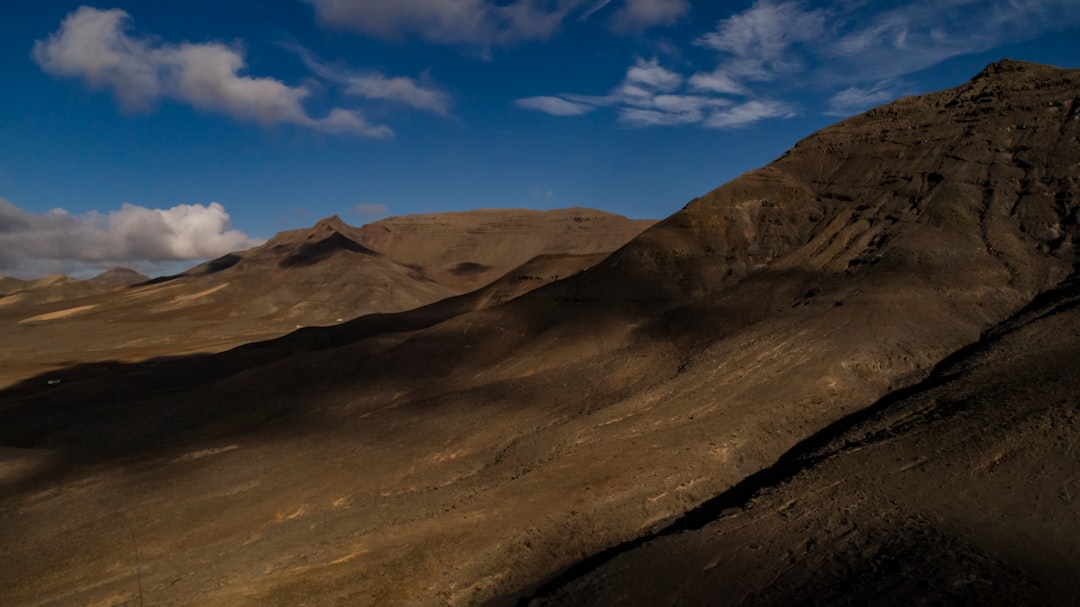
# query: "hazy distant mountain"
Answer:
x=466 y=454
x=57 y=287
x=119 y=277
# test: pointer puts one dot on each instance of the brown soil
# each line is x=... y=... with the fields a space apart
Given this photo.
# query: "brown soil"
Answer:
x=484 y=447
x=314 y=277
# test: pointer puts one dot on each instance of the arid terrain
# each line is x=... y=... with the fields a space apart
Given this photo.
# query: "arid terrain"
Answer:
x=320 y=276
x=847 y=377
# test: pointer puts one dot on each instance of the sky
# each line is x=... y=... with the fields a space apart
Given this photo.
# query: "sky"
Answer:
x=156 y=134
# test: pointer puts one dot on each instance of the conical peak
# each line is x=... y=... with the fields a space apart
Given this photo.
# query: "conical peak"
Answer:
x=331 y=224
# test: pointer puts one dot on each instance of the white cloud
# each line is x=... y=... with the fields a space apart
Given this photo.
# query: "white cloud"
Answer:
x=636 y=15
x=472 y=22
x=756 y=42
x=487 y=23
x=641 y=117
x=859 y=98
x=651 y=75
x=748 y=113
x=92 y=44
x=370 y=210
x=649 y=95
x=595 y=8
x=717 y=82
x=555 y=106
x=855 y=43
x=401 y=90
x=854 y=51
x=131 y=235
x=917 y=35
x=374 y=85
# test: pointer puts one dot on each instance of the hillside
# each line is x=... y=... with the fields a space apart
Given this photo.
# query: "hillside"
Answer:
x=321 y=275
x=960 y=490
x=462 y=454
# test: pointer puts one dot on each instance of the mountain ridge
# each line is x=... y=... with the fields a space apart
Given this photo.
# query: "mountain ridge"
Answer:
x=321 y=275
x=469 y=453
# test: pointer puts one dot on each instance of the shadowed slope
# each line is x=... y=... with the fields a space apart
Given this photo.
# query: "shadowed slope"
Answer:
x=460 y=456
x=961 y=490
x=318 y=276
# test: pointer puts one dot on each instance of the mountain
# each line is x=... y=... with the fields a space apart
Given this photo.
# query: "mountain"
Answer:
x=467 y=452
x=119 y=277
x=11 y=285
x=495 y=240
x=321 y=275
x=57 y=287
x=959 y=490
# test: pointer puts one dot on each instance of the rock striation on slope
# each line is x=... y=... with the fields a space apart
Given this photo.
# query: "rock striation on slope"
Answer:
x=460 y=453
x=959 y=490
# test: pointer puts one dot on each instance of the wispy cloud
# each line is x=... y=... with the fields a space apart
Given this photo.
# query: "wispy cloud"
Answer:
x=132 y=235
x=93 y=45
x=471 y=22
x=414 y=93
x=871 y=44
x=861 y=48
x=485 y=24
x=370 y=210
x=652 y=95
x=756 y=43
x=852 y=54
x=858 y=98
x=400 y=89
x=651 y=75
x=596 y=7
x=637 y=15
x=749 y=113
x=556 y=106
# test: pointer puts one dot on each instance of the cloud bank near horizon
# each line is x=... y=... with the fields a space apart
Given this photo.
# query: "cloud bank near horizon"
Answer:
x=32 y=244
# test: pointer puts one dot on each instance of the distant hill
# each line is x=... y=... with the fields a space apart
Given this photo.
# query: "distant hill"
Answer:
x=57 y=287
x=321 y=275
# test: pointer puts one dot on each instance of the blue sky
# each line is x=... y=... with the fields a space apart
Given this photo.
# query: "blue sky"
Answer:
x=154 y=134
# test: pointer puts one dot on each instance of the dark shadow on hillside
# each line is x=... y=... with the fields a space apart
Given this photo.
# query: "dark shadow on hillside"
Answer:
x=109 y=411
x=158 y=280
x=311 y=253
x=836 y=438
x=222 y=263
x=467 y=268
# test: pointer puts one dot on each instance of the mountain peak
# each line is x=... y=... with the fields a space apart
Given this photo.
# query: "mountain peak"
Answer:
x=119 y=276
x=1009 y=70
x=331 y=224
x=1006 y=65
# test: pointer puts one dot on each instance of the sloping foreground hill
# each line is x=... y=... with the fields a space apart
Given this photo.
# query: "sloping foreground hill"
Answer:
x=456 y=455
x=317 y=276
x=963 y=489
